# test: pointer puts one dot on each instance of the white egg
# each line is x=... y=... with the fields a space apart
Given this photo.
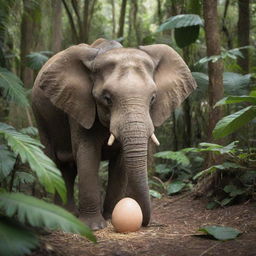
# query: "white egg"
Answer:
x=127 y=216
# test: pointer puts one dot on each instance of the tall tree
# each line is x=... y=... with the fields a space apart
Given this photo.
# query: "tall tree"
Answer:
x=30 y=26
x=215 y=69
x=243 y=32
x=80 y=22
x=56 y=25
x=113 y=18
x=122 y=19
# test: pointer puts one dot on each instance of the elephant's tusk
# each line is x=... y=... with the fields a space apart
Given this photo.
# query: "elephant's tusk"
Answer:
x=111 y=139
x=155 y=140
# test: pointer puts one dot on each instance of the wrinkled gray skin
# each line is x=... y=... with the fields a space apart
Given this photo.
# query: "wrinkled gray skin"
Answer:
x=87 y=92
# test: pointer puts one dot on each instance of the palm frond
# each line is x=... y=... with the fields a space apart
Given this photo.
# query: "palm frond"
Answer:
x=30 y=151
x=23 y=178
x=16 y=240
x=12 y=88
x=32 y=131
x=38 y=213
x=36 y=60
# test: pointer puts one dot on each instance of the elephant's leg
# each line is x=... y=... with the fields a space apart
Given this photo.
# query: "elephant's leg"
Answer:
x=88 y=160
x=69 y=173
x=117 y=181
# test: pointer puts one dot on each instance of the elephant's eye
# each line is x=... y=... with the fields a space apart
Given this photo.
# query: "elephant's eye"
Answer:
x=153 y=98
x=107 y=99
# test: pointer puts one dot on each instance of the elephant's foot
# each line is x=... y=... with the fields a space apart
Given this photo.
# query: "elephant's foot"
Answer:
x=95 y=222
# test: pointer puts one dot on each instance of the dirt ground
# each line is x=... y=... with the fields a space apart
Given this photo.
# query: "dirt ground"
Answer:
x=172 y=232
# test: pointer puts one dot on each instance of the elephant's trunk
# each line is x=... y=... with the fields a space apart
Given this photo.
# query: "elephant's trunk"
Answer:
x=134 y=140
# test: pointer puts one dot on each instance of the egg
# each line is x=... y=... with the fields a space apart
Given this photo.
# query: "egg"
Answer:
x=127 y=216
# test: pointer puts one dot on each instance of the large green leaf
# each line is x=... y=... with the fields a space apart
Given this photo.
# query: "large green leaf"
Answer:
x=216 y=148
x=15 y=239
x=175 y=187
x=236 y=99
x=30 y=151
x=7 y=161
x=186 y=27
x=181 y=21
x=220 y=232
x=231 y=123
x=38 y=213
x=236 y=84
x=186 y=36
x=36 y=60
x=12 y=88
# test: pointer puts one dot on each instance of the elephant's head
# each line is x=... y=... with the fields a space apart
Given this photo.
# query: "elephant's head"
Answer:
x=130 y=90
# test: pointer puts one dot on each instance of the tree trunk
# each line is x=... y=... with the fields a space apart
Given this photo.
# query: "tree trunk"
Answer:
x=136 y=24
x=159 y=12
x=75 y=35
x=85 y=20
x=29 y=26
x=113 y=18
x=122 y=19
x=56 y=25
x=212 y=35
x=215 y=71
x=243 y=36
x=224 y=27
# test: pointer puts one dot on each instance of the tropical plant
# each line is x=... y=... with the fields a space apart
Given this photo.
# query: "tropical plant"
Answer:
x=186 y=28
x=234 y=121
x=36 y=60
x=20 y=213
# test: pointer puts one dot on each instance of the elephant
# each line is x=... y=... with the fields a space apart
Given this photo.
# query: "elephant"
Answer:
x=102 y=102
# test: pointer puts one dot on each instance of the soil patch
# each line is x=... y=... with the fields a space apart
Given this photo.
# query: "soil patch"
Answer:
x=172 y=232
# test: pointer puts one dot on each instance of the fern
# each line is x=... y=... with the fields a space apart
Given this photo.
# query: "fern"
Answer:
x=12 y=88
x=38 y=213
x=15 y=239
x=32 y=131
x=30 y=151
x=36 y=60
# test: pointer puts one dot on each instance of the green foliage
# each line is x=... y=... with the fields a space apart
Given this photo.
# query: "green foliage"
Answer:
x=155 y=193
x=7 y=161
x=232 y=53
x=16 y=239
x=234 y=84
x=175 y=187
x=38 y=213
x=176 y=173
x=221 y=233
x=186 y=28
x=178 y=156
x=233 y=122
x=12 y=88
x=36 y=60
x=29 y=150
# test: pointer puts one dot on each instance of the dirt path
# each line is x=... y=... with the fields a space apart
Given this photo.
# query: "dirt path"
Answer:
x=171 y=233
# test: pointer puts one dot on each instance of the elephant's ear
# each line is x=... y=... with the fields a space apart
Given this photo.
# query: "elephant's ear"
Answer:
x=173 y=79
x=65 y=80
